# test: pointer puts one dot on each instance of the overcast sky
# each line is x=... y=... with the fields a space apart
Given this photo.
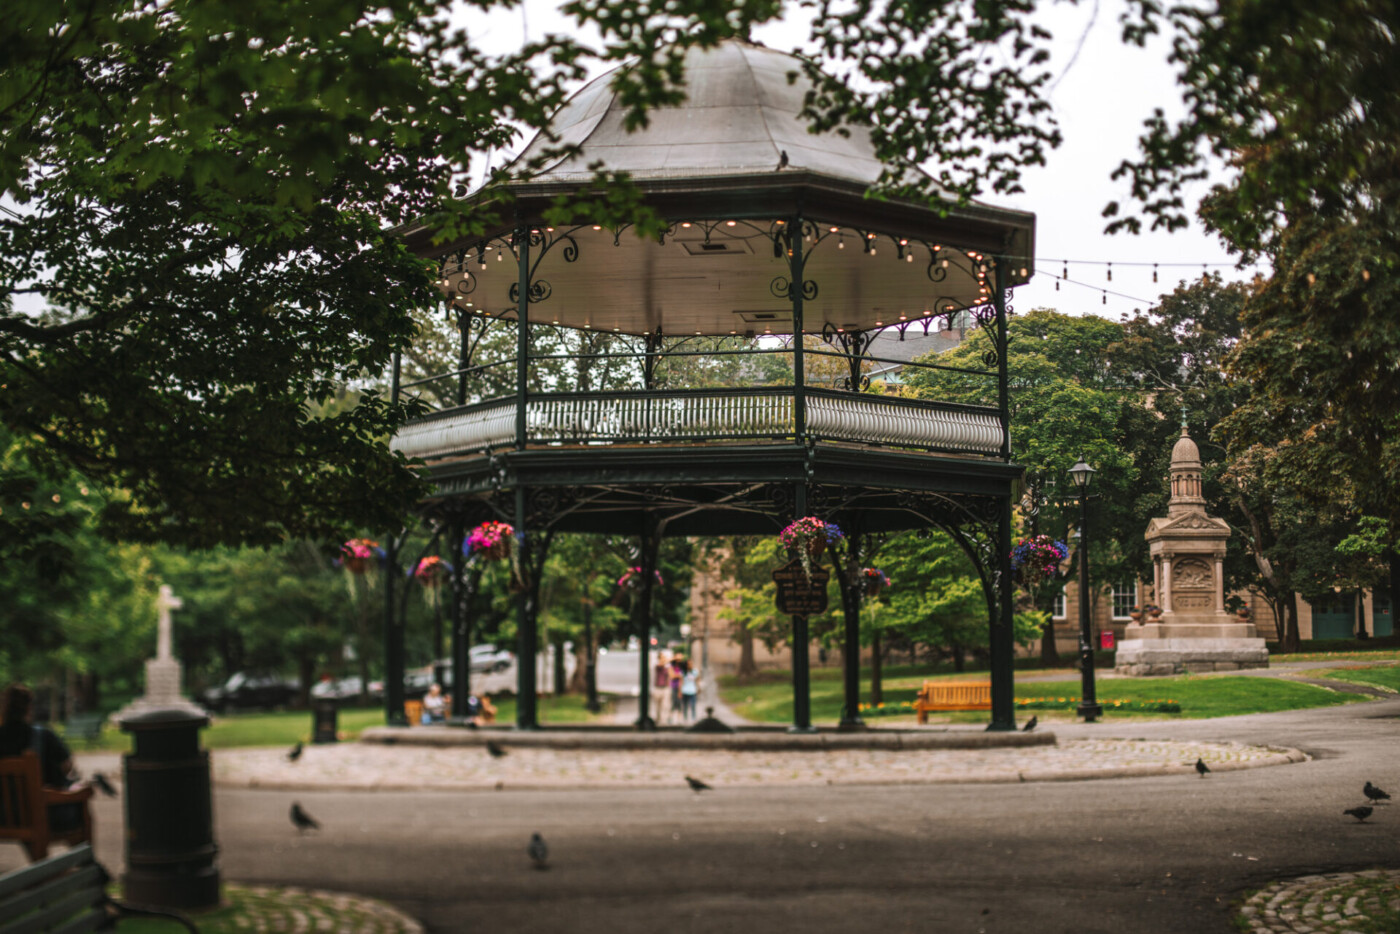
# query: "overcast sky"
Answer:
x=1100 y=101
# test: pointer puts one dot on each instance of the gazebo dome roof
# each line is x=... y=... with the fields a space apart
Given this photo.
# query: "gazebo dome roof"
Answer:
x=714 y=167
x=740 y=115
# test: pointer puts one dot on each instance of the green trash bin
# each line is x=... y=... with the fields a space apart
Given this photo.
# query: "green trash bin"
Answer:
x=170 y=849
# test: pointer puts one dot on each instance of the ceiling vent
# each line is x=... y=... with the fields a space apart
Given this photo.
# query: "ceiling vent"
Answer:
x=715 y=247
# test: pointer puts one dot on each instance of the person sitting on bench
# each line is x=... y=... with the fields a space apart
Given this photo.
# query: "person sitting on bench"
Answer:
x=18 y=733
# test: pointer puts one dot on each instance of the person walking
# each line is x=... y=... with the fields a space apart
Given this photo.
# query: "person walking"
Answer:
x=690 y=691
x=661 y=686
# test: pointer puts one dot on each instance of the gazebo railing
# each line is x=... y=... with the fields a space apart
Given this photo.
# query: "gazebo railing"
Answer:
x=761 y=414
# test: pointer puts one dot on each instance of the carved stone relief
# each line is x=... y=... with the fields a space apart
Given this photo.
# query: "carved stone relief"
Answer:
x=1192 y=574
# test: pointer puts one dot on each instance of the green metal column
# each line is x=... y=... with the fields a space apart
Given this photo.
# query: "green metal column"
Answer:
x=850 y=653
x=1003 y=646
x=801 y=677
x=459 y=619
x=649 y=554
x=526 y=713
x=799 y=371
x=393 y=628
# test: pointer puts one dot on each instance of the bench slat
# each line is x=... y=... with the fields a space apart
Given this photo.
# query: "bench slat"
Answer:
x=87 y=877
x=19 y=879
x=89 y=922
x=56 y=916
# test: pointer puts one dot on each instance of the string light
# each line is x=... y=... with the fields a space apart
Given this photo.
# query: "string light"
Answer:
x=1154 y=272
x=1110 y=272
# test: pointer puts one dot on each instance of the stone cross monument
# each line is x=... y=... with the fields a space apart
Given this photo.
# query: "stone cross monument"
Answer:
x=163 y=673
x=1193 y=632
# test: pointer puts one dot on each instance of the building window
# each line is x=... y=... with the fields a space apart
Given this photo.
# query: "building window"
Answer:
x=1057 y=608
x=1125 y=597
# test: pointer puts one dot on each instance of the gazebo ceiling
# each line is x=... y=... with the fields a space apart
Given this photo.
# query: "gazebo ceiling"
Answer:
x=715 y=167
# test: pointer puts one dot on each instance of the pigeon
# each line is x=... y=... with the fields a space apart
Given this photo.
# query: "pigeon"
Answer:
x=106 y=788
x=782 y=160
x=295 y=754
x=1360 y=813
x=1201 y=767
x=495 y=748
x=539 y=852
x=302 y=820
x=1030 y=724
x=696 y=785
x=1375 y=794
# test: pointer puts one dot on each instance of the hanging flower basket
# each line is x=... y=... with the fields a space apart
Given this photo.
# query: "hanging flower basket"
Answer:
x=874 y=581
x=432 y=572
x=632 y=578
x=808 y=538
x=1037 y=560
x=358 y=555
x=489 y=541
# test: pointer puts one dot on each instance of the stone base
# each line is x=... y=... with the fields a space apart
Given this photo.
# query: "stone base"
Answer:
x=163 y=677
x=1150 y=657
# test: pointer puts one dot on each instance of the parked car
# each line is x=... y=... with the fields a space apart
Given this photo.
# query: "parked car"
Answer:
x=488 y=658
x=245 y=690
x=347 y=689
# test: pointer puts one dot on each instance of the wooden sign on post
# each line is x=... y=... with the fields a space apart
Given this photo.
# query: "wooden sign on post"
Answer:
x=798 y=596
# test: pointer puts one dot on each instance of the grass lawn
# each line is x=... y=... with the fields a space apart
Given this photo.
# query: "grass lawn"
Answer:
x=1387 y=676
x=769 y=700
x=283 y=728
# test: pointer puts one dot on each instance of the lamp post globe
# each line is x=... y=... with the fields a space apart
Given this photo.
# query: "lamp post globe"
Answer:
x=1089 y=708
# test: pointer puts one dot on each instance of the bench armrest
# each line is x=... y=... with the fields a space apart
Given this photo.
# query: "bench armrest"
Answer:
x=76 y=796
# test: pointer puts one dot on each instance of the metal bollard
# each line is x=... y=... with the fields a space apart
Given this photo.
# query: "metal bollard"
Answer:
x=324 y=720
x=170 y=848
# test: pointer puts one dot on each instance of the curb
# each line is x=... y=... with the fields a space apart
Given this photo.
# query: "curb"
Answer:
x=758 y=741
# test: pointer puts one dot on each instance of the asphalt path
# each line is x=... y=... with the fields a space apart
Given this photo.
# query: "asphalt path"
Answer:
x=1163 y=854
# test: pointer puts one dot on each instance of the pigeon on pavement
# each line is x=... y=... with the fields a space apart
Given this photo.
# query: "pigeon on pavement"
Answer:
x=302 y=820
x=1374 y=793
x=295 y=754
x=1360 y=813
x=1201 y=767
x=1030 y=724
x=539 y=853
x=696 y=785
x=495 y=749
x=103 y=785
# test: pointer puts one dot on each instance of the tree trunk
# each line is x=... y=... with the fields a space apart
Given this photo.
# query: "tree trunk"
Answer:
x=1291 y=636
x=748 y=668
x=877 y=687
x=557 y=642
x=959 y=661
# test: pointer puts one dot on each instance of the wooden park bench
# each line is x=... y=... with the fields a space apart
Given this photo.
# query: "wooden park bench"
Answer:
x=953 y=695
x=84 y=726
x=66 y=893
x=24 y=807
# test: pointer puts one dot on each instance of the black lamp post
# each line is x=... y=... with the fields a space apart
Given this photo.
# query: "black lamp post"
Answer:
x=1089 y=707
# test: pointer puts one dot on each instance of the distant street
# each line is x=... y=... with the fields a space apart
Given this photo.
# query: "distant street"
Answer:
x=1151 y=855
x=617 y=674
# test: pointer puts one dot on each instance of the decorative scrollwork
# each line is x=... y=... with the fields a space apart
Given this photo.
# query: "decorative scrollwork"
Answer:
x=862 y=386
x=781 y=287
x=466 y=285
x=540 y=290
x=937 y=266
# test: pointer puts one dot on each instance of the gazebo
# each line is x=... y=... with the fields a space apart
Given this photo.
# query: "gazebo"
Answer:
x=771 y=248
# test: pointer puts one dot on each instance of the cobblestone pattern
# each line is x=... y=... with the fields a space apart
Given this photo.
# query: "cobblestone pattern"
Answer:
x=1340 y=903
x=356 y=765
x=259 y=909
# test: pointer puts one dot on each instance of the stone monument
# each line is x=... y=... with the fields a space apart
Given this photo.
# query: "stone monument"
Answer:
x=1193 y=631
x=163 y=673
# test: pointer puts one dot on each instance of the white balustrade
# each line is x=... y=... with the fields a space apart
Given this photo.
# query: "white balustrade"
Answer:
x=700 y=416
